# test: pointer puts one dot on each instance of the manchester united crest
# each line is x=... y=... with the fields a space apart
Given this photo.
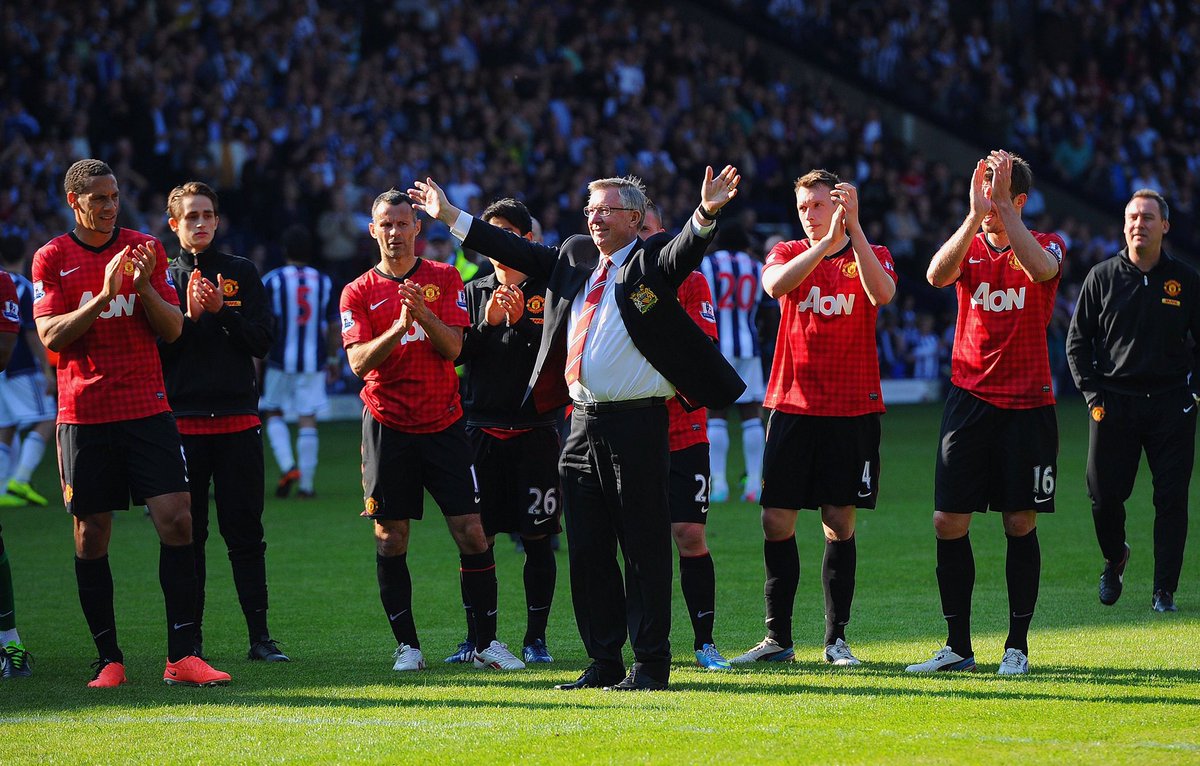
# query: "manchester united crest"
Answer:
x=372 y=507
x=1172 y=287
x=850 y=269
x=1097 y=413
x=129 y=268
x=229 y=287
x=535 y=305
x=431 y=293
x=68 y=493
x=644 y=299
x=1013 y=263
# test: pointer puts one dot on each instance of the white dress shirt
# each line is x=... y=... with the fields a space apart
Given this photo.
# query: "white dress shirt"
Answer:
x=613 y=370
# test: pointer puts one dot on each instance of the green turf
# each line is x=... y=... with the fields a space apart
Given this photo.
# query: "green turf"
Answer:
x=1110 y=685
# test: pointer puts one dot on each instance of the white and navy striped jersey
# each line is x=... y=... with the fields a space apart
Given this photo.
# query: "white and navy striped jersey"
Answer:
x=735 y=279
x=301 y=299
x=22 y=361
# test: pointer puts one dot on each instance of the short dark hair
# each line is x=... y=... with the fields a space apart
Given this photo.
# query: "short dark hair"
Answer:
x=392 y=196
x=190 y=189
x=1022 y=176
x=511 y=210
x=296 y=243
x=1163 y=209
x=80 y=174
x=817 y=177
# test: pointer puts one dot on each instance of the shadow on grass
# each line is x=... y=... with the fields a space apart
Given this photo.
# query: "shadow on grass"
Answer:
x=449 y=689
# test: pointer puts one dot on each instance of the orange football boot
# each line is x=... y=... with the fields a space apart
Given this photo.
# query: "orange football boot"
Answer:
x=193 y=671
x=108 y=674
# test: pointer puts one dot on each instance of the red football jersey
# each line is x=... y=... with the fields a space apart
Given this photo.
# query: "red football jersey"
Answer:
x=1000 y=350
x=688 y=428
x=10 y=308
x=415 y=390
x=825 y=361
x=112 y=372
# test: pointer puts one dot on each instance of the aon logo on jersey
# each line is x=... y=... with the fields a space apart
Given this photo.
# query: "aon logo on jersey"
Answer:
x=120 y=306
x=414 y=334
x=827 y=305
x=998 y=300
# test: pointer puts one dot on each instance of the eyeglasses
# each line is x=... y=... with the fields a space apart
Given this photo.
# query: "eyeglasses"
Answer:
x=602 y=211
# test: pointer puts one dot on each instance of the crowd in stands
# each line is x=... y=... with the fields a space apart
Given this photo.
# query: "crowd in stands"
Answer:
x=300 y=113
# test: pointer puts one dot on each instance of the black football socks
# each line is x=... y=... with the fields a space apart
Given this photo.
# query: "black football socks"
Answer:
x=956 y=583
x=698 y=580
x=783 y=576
x=541 y=574
x=95 y=582
x=1022 y=569
x=395 y=591
x=838 y=570
x=478 y=573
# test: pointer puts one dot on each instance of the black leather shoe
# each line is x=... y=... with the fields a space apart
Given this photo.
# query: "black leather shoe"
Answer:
x=267 y=650
x=1163 y=601
x=1112 y=579
x=590 y=678
x=637 y=682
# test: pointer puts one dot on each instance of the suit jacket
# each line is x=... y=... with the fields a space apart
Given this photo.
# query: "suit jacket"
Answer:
x=646 y=286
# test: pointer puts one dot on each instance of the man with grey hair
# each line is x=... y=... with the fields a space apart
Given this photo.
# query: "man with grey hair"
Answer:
x=1128 y=349
x=617 y=344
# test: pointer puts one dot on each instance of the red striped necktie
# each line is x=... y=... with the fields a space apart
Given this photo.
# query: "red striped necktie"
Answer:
x=590 y=302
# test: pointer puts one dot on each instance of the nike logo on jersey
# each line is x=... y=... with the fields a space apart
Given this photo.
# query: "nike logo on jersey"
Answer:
x=397 y=615
x=182 y=625
x=68 y=271
x=702 y=615
x=377 y=305
x=974 y=260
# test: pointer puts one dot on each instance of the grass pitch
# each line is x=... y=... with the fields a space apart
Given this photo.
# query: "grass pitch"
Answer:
x=1109 y=685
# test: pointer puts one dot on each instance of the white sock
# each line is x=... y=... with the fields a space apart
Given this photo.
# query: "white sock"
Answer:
x=306 y=447
x=752 y=446
x=5 y=461
x=32 y=450
x=281 y=443
x=9 y=637
x=718 y=452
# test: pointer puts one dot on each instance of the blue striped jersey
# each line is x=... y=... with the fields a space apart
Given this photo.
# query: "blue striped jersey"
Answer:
x=735 y=279
x=22 y=360
x=301 y=299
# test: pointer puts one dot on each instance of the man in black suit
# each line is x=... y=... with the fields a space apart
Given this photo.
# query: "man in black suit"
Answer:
x=618 y=345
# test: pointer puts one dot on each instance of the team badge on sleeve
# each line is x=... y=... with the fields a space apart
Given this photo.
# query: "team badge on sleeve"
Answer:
x=1055 y=250
x=39 y=291
x=170 y=282
x=11 y=311
x=707 y=313
x=461 y=302
x=347 y=320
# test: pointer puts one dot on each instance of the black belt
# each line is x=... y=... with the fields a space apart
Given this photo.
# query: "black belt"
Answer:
x=627 y=404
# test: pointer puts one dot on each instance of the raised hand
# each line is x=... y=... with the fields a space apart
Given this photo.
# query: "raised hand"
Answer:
x=415 y=309
x=208 y=296
x=194 y=307
x=429 y=198
x=114 y=273
x=837 y=226
x=846 y=196
x=981 y=205
x=1000 y=163
x=144 y=259
x=718 y=190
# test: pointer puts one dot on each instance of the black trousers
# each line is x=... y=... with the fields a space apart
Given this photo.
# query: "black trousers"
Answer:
x=1164 y=425
x=614 y=471
x=233 y=463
